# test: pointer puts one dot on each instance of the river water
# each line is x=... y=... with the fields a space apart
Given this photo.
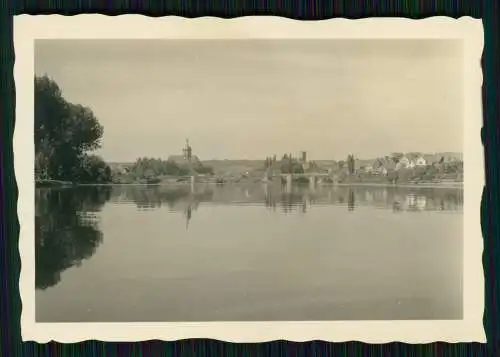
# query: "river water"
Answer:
x=248 y=252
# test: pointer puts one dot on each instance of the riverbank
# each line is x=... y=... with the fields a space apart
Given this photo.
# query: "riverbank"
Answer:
x=417 y=185
x=53 y=183
x=63 y=184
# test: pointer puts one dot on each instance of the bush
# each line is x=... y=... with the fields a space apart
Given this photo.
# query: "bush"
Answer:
x=206 y=170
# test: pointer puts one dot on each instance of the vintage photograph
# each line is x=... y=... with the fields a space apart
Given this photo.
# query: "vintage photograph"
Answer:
x=217 y=180
x=244 y=180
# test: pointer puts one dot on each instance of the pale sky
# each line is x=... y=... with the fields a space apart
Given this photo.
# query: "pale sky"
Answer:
x=247 y=99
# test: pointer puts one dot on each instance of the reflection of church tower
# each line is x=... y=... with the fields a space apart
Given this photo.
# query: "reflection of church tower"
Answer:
x=351 y=203
x=188 y=213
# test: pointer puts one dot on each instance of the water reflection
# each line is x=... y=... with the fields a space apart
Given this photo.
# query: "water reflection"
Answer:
x=352 y=200
x=66 y=230
x=67 y=220
x=299 y=199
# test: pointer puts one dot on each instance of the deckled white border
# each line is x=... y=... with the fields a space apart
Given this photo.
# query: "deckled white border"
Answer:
x=27 y=28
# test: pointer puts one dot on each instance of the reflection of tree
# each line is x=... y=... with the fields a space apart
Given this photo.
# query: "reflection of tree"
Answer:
x=269 y=198
x=180 y=199
x=66 y=230
x=176 y=198
x=183 y=199
x=291 y=201
x=398 y=198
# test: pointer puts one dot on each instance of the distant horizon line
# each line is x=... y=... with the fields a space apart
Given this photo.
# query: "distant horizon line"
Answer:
x=280 y=156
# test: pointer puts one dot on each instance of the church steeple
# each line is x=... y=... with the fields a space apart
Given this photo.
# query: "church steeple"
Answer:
x=187 y=151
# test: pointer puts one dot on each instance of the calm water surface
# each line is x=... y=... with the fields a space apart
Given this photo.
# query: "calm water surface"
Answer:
x=157 y=253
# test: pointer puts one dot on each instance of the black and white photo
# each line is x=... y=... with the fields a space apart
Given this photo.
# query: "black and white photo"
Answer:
x=255 y=179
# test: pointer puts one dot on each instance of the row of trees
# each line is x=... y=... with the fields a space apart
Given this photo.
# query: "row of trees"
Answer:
x=65 y=136
x=288 y=164
x=150 y=168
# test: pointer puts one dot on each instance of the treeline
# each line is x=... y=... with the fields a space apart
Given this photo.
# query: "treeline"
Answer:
x=153 y=169
x=287 y=164
x=452 y=171
x=66 y=134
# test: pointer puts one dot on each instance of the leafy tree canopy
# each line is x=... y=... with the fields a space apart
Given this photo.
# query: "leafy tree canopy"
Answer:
x=64 y=135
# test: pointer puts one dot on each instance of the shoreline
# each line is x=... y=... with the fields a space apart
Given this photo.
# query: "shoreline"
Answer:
x=405 y=185
x=60 y=184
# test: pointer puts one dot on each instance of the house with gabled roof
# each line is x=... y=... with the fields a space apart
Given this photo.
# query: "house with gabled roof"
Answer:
x=421 y=162
x=378 y=163
x=384 y=166
x=403 y=163
x=368 y=169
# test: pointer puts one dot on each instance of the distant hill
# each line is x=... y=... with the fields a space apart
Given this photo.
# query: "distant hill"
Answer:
x=234 y=167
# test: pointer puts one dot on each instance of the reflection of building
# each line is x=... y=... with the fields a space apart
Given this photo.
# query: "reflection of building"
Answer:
x=421 y=202
x=351 y=203
x=410 y=201
x=188 y=212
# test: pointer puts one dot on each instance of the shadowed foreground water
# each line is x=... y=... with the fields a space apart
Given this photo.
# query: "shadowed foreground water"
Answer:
x=156 y=253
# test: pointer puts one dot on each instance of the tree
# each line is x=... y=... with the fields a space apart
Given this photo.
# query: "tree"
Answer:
x=202 y=169
x=396 y=156
x=64 y=132
x=268 y=162
x=392 y=176
x=93 y=169
x=149 y=168
x=350 y=164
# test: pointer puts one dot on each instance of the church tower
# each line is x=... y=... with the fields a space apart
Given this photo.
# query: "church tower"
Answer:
x=188 y=151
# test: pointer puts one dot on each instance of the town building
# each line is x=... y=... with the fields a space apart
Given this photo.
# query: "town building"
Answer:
x=187 y=158
x=421 y=162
